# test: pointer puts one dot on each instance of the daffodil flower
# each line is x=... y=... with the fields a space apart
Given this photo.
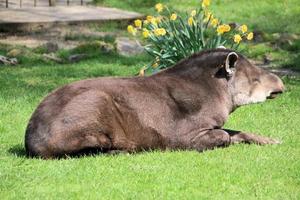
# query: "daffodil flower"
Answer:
x=131 y=30
x=250 y=36
x=159 y=7
x=243 y=28
x=146 y=33
x=173 y=17
x=214 y=22
x=223 y=29
x=190 y=21
x=160 y=32
x=205 y=3
x=138 y=23
x=237 y=38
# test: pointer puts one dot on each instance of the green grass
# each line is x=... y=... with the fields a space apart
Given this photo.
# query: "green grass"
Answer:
x=272 y=16
x=237 y=172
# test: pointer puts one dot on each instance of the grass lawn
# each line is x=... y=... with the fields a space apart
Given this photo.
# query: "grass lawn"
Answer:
x=237 y=172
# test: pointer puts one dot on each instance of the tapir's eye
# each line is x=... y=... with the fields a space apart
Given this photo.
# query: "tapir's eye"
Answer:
x=256 y=80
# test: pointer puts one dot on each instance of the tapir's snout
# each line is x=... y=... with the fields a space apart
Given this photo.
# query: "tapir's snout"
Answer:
x=277 y=88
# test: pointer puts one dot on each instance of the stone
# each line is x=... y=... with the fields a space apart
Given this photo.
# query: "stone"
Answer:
x=8 y=61
x=51 y=47
x=127 y=47
x=76 y=57
x=286 y=40
x=52 y=57
x=14 y=53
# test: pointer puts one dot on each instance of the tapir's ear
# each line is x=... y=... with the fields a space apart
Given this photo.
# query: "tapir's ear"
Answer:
x=230 y=63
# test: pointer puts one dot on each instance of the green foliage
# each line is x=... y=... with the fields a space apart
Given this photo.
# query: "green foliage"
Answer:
x=171 y=37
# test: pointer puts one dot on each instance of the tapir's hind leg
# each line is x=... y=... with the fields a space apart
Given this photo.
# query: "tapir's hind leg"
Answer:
x=78 y=143
x=68 y=144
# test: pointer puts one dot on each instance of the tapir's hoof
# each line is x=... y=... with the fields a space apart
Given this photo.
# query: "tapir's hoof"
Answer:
x=266 y=140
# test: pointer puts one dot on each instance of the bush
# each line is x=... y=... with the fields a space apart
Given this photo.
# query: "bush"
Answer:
x=171 y=37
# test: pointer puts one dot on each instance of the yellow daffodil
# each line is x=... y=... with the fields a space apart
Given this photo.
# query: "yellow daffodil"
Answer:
x=138 y=23
x=173 y=17
x=250 y=36
x=193 y=13
x=243 y=28
x=131 y=30
x=220 y=30
x=223 y=29
x=190 y=21
x=159 y=7
x=214 y=22
x=226 y=28
x=205 y=3
x=149 y=18
x=160 y=32
x=237 y=38
x=146 y=33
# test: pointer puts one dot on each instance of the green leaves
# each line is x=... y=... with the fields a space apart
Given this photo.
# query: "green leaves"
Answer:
x=182 y=39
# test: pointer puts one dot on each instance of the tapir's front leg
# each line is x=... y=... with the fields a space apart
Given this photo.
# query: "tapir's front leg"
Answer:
x=214 y=138
x=249 y=138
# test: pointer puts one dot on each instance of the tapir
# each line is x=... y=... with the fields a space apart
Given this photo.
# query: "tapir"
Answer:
x=180 y=108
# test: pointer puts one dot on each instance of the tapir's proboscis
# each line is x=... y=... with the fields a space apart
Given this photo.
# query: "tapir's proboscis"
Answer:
x=180 y=108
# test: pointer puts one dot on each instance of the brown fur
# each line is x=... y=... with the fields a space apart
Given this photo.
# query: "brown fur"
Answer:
x=183 y=107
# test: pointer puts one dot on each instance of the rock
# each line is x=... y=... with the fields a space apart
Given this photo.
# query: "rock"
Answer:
x=289 y=36
x=76 y=57
x=52 y=57
x=128 y=47
x=51 y=47
x=8 y=61
x=14 y=53
x=287 y=39
x=276 y=36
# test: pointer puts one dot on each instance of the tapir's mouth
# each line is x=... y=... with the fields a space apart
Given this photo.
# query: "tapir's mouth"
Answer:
x=274 y=94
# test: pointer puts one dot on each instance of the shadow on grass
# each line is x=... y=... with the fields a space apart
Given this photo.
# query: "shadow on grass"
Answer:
x=18 y=150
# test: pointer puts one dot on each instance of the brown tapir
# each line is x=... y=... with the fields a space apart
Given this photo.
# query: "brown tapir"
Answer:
x=183 y=107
